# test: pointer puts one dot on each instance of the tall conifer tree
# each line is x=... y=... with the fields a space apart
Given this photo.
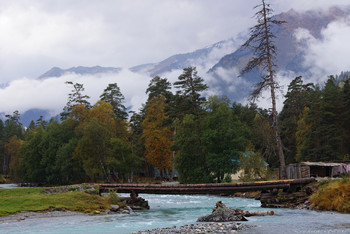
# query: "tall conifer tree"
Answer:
x=188 y=95
x=297 y=98
x=261 y=41
x=113 y=95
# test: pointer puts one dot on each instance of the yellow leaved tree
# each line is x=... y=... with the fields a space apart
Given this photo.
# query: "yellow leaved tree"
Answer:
x=156 y=135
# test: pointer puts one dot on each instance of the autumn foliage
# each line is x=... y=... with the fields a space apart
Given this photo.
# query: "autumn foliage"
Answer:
x=156 y=135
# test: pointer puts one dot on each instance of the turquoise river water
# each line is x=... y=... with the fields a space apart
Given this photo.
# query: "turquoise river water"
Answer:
x=170 y=210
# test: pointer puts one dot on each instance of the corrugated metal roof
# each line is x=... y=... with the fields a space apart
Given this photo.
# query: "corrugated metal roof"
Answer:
x=323 y=164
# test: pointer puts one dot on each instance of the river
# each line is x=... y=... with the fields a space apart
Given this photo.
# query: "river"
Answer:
x=170 y=210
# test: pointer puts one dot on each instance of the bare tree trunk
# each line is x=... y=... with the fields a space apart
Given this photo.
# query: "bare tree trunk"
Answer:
x=104 y=171
x=273 y=98
x=278 y=138
x=173 y=161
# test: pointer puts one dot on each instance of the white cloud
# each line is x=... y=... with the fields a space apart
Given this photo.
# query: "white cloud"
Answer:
x=37 y=35
x=52 y=93
x=329 y=54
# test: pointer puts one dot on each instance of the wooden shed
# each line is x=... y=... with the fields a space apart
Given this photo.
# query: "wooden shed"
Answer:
x=314 y=169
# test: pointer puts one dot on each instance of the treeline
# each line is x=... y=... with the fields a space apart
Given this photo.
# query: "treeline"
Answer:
x=315 y=121
x=202 y=139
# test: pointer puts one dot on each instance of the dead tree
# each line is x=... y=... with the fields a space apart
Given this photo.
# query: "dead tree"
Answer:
x=261 y=42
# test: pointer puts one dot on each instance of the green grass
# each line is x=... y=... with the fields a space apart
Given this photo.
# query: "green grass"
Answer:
x=31 y=199
x=333 y=195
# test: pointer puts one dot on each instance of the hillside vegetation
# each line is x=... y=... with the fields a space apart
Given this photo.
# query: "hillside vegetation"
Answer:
x=333 y=195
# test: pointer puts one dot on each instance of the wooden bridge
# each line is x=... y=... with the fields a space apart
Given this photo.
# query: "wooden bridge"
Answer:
x=224 y=188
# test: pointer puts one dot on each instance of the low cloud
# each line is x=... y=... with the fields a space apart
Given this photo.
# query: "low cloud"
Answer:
x=52 y=93
x=302 y=5
x=37 y=35
x=327 y=55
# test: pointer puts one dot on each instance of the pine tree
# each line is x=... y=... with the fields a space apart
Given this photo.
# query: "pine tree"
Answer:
x=261 y=41
x=136 y=139
x=297 y=98
x=311 y=145
x=159 y=86
x=332 y=134
x=346 y=114
x=113 y=95
x=188 y=99
x=75 y=98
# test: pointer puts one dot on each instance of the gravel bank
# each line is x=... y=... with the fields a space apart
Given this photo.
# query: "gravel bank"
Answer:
x=33 y=215
x=199 y=228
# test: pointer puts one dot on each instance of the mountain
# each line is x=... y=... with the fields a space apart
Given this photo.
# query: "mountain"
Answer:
x=57 y=72
x=290 y=54
x=31 y=114
x=34 y=114
x=180 y=61
x=224 y=59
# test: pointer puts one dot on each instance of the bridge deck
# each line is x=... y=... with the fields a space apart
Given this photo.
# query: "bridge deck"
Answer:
x=205 y=188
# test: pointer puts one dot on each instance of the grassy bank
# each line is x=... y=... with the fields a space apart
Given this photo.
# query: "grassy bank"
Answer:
x=34 y=199
x=333 y=195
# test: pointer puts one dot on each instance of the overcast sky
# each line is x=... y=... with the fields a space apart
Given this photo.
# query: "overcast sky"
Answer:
x=37 y=35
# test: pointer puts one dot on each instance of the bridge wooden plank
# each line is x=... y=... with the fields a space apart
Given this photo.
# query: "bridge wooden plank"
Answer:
x=204 y=188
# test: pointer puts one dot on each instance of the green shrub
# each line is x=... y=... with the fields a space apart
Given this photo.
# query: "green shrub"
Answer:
x=114 y=198
x=227 y=179
x=253 y=166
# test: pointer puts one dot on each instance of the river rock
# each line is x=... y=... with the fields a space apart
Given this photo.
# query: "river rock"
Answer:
x=135 y=202
x=283 y=199
x=222 y=214
x=114 y=208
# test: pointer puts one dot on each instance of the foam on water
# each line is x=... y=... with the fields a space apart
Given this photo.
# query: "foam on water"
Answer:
x=170 y=210
x=8 y=186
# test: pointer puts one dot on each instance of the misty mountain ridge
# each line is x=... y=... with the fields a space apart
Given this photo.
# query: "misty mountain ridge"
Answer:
x=290 y=51
x=228 y=58
x=81 y=70
x=196 y=58
x=179 y=61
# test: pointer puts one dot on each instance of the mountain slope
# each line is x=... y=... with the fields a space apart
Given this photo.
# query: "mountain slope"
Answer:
x=225 y=58
x=196 y=58
x=290 y=54
x=57 y=72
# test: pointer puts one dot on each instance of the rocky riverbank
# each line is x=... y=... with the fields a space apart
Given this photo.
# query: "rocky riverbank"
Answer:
x=286 y=199
x=23 y=215
x=199 y=228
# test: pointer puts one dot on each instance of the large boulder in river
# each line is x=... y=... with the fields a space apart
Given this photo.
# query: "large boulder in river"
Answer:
x=135 y=202
x=222 y=213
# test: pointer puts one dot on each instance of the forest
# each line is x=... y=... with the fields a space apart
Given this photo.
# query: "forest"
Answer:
x=181 y=134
